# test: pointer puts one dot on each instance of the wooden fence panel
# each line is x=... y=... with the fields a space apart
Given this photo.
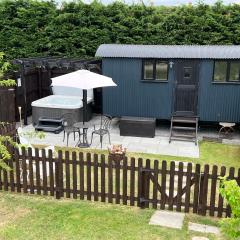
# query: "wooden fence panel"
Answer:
x=117 y=181
x=95 y=177
x=11 y=173
x=24 y=174
x=7 y=105
x=67 y=176
x=179 y=187
x=125 y=180
x=155 y=184
x=163 y=185
x=132 y=182
x=129 y=181
x=37 y=162
x=147 y=183
x=43 y=172
x=196 y=190
x=89 y=177
x=52 y=169
x=171 y=185
x=103 y=183
x=140 y=183
x=74 y=174
x=188 y=187
x=213 y=190
x=17 y=168
x=81 y=173
x=110 y=180
x=31 y=172
x=204 y=191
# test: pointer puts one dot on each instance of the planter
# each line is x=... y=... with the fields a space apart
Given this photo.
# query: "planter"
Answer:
x=117 y=153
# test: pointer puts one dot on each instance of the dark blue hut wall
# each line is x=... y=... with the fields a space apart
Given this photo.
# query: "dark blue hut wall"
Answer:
x=132 y=97
x=217 y=101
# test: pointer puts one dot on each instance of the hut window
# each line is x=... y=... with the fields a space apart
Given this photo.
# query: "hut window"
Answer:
x=155 y=70
x=148 y=69
x=234 y=71
x=227 y=71
x=220 y=71
x=161 y=70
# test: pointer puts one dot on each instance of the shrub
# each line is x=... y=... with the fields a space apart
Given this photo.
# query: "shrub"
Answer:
x=230 y=190
x=4 y=68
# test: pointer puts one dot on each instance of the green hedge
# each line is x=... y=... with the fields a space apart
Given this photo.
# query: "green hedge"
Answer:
x=33 y=28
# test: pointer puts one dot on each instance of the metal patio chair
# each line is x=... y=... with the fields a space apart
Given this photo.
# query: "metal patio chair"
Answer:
x=103 y=129
x=68 y=128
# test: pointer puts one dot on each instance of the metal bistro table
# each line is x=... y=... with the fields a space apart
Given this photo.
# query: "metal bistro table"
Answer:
x=82 y=142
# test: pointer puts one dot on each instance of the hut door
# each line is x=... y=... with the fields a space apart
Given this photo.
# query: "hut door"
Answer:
x=186 y=88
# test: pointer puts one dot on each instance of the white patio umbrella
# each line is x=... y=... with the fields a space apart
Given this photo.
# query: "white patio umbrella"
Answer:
x=84 y=80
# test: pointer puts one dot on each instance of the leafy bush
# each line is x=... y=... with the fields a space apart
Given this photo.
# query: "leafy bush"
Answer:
x=4 y=68
x=230 y=190
x=4 y=153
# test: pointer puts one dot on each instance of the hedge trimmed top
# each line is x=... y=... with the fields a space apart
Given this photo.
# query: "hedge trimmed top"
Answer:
x=36 y=28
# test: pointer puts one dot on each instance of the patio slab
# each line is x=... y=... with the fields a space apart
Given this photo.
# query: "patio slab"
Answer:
x=157 y=145
x=203 y=228
x=167 y=219
x=200 y=238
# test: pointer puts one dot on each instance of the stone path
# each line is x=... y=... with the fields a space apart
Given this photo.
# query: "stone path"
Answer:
x=175 y=220
x=203 y=228
x=167 y=219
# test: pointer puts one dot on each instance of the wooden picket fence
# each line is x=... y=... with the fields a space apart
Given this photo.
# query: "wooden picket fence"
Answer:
x=136 y=182
x=8 y=129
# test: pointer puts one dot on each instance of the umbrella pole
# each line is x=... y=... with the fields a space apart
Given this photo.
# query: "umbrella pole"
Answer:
x=84 y=106
x=84 y=143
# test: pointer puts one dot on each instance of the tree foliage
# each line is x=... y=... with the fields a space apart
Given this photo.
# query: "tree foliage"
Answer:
x=5 y=67
x=230 y=190
x=33 y=28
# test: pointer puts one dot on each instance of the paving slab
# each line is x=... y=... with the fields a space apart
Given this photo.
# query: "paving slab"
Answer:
x=156 y=145
x=200 y=238
x=203 y=228
x=167 y=219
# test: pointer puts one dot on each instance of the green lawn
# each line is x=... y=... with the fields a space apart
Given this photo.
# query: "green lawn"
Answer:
x=35 y=217
x=210 y=153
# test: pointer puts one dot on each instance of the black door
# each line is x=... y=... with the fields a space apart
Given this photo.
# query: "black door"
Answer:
x=186 y=87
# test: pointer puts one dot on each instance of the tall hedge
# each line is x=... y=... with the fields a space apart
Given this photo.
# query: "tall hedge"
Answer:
x=34 y=28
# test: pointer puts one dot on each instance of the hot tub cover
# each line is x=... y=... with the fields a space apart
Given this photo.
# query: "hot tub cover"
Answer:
x=60 y=101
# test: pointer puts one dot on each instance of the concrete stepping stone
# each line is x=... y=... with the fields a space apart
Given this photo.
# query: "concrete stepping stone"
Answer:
x=203 y=228
x=167 y=219
x=200 y=238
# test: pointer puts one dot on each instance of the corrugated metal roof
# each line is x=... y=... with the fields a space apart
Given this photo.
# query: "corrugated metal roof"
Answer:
x=169 y=51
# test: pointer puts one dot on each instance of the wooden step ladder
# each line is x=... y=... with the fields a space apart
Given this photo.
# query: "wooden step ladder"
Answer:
x=184 y=128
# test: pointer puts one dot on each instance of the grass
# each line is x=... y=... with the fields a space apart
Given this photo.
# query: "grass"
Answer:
x=210 y=153
x=38 y=217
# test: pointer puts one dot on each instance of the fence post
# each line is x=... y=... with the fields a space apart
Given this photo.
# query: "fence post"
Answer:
x=144 y=185
x=203 y=191
x=58 y=162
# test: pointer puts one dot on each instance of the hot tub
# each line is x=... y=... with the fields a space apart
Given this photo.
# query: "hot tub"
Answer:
x=55 y=106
